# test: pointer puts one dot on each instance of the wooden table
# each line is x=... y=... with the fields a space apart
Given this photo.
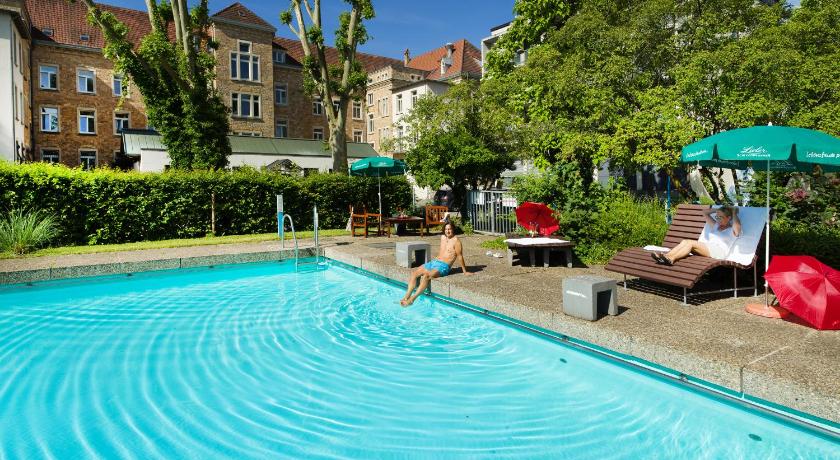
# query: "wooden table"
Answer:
x=561 y=245
x=406 y=221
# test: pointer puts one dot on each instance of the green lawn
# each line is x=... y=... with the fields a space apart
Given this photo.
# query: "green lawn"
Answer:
x=210 y=240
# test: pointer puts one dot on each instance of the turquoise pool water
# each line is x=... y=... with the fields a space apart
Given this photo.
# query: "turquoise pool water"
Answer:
x=257 y=361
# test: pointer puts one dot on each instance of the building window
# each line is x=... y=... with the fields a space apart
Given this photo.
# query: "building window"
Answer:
x=121 y=122
x=245 y=105
x=357 y=135
x=279 y=56
x=369 y=99
x=14 y=46
x=357 y=110
x=49 y=77
x=399 y=103
x=48 y=31
x=318 y=134
x=336 y=106
x=281 y=129
x=49 y=119
x=383 y=106
x=86 y=81
x=317 y=106
x=370 y=123
x=87 y=158
x=118 y=84
x=281 y=94
x=243 y=64
x=413 y=98
x=87 y=122
x=50 y=156
x=15 y=102
x=248 y=133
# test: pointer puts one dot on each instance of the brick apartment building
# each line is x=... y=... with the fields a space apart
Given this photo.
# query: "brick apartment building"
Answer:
x=70 y=107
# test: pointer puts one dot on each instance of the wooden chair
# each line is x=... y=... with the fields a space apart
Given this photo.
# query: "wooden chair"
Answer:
x=435 y=216
x=688 y=223
x=360 y=218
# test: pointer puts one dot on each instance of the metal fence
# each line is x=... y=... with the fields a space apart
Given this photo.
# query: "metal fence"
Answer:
x=491 y=211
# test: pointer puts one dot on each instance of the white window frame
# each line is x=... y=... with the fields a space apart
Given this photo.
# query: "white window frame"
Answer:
x=285 y=89
x=57 y=118
x=281 y=53
x=399 y=101
x=317 y=106
x=114 y=78
x=369 y=99
x=93 y=79
x=370 y=126
x=413 y=98
x=14 y=46
x=41 y=71
x=254 y=101
x=56 y=150
x=358 y=134
x=357 y=110
x=15 y=102
x=127 y=119
x=236 y=60
x=79 y=120
x=316 y=130
x=285 y=124
x=335 y=105
x=95 y=157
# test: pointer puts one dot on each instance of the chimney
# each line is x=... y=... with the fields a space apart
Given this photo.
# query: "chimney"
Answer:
x=449 y=48
x=406 y=57
x=446 y=61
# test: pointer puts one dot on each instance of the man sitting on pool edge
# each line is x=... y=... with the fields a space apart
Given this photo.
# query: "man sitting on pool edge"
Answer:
x=450 y=249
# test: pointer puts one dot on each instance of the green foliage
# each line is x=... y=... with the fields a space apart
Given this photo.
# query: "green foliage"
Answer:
x=20 y=231
x=175 y=79
x=497 y=243
x=106 y=206
x=799 y=198
x=802 y=238
x=458 y=142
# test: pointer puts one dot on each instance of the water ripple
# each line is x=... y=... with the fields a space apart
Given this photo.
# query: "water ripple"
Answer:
x=261 y=362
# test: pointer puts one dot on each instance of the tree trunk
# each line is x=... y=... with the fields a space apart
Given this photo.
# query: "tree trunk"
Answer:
x=338 y=146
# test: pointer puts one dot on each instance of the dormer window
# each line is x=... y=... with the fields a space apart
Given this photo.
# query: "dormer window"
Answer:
x=84 y=37
x=279 y=56
x=48 y=31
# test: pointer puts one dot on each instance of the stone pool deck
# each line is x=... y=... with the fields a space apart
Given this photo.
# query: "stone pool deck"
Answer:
x=714 y=339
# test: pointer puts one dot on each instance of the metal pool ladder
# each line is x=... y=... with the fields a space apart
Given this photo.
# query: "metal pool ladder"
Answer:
x=317 y=262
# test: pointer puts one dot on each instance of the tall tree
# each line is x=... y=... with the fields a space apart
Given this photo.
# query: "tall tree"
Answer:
x=175 y=79
x=340 y=83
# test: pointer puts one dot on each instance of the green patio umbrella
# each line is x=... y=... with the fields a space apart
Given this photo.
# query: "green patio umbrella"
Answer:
x=378 y=167
x=774 y=148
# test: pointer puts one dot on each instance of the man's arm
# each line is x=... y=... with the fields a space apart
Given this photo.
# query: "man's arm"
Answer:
x=736 y=222
x=459 y=254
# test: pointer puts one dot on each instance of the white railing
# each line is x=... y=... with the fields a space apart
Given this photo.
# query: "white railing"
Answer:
x=491 y=211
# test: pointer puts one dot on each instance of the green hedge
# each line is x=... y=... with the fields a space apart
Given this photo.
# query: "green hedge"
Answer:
x=106 y=206
x=789 y=238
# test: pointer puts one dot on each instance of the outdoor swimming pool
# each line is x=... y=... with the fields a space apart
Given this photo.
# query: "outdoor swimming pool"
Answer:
x=257 y=361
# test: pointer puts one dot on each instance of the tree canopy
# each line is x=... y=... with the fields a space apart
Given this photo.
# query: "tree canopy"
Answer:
x=634 y=81
x=175 y=79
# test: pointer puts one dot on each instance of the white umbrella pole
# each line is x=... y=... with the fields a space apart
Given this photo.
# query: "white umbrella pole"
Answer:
x=379 y=178
x=767 y=241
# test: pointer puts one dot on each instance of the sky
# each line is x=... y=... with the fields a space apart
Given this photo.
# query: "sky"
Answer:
x=419 y=25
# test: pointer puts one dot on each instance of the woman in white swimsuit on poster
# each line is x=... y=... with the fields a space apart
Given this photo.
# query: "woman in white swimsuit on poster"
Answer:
x=723 y=231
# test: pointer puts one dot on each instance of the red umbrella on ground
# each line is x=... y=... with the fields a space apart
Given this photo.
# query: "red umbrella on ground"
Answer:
x=537 y=217
x=808 y=288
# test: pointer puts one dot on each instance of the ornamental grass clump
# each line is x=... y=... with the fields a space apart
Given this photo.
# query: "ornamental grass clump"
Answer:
x=21 y=232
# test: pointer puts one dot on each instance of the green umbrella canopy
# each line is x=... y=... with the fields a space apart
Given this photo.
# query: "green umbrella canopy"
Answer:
x=786 y=148
x=377 y=167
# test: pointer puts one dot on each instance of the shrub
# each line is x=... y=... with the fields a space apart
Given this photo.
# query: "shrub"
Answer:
x=104 y=206
x=799 y=238
x=20 y=232
x=621 y=221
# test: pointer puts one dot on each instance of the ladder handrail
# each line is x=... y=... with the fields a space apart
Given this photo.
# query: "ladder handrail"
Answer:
x=294 y=235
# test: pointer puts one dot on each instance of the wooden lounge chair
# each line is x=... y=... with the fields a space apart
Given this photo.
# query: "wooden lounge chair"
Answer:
x=435 y=216
x=360 y=218
x=685 y=273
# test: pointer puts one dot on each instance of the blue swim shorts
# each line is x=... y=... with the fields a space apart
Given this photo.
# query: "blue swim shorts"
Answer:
x=438 y=265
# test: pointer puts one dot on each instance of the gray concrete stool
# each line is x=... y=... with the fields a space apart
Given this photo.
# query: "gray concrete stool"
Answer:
x=407 y=253
x=586 y=296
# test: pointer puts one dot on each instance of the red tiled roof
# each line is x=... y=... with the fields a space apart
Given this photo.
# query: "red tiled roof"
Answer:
x=370 y=62
x=69 y=22
x=239 y=13
x=466 y=58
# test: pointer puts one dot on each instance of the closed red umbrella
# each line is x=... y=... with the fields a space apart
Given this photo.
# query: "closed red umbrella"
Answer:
x=537 y=217
x=808 y=288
